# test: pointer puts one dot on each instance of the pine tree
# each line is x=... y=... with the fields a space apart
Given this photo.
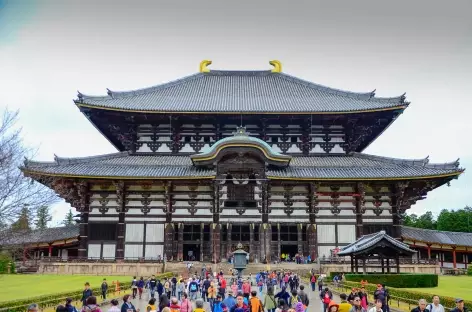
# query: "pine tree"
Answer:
x=42 y=218
x=23 y=222
x=69 y=220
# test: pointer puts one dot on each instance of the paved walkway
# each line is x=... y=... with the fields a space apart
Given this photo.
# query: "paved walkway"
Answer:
x=315 y=303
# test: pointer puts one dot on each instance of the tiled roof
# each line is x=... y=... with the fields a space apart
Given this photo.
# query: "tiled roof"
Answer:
x=241 y=91
x=355 y=166
x=40 y=236
x=439 y=237
x=368 y=241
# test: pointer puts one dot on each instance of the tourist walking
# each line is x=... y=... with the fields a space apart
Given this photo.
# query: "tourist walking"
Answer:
x=435 y=306
x=127 y=305
x=199 y=306
x=134 y=287
x=91 y=305
x=420 y=308
x=104 y=288
x=86 y=293
x=230 y=301
x=140 y=287
x=357 y=305
x=377 y=307
x=151 y=307
x=69 y=306
x=185 y=304
x=269 y=300
x=459 y=306
x=114 y=306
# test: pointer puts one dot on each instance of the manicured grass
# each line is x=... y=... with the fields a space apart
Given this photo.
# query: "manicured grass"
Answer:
x=17 y=286
x=450 y=286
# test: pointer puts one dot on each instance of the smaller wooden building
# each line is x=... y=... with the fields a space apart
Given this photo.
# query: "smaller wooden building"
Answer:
x=378 y=246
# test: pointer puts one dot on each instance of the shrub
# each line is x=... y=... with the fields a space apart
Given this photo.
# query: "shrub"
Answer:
x=469 y=270
x=52 y=300
x=397 y=280
x=6 y=260
x=408 y=296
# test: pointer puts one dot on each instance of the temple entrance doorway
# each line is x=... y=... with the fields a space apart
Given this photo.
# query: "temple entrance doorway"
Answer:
x=288 y=249
x=191 y=252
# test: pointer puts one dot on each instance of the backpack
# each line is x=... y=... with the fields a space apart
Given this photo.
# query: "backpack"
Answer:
x=294 y=301
x=193 y=287
x=326 y=298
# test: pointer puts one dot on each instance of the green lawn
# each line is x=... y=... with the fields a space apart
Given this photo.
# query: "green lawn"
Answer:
x=450 y=286
x=25 y=286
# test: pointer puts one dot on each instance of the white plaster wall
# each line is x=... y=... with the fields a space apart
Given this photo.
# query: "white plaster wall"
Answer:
x=154 y=233
x=325 y=251
x=109 y=250
x=134 y=232
x=153 y=251
x=94 y=250
x=133 y=251
x=326 y=233
x=346 y=234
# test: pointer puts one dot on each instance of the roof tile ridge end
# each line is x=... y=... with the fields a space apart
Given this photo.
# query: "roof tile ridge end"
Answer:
x=123 y=94
x=421 y=162
x=453 y=165
x=86 y=159
x=331 y=90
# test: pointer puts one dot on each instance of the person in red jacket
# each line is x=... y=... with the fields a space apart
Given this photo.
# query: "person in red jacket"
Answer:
x=246 y=288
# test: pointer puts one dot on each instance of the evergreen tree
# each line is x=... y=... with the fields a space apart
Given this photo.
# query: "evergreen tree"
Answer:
x=42 y=218
x=69 y=220
x=23 y=222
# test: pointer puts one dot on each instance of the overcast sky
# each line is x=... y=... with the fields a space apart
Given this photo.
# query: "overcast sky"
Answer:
x=51 y=49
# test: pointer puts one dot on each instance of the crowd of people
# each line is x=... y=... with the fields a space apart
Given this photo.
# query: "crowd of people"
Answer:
x=273 y=291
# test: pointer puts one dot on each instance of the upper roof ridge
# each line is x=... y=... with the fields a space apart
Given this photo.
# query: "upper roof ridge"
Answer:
x=76 y=160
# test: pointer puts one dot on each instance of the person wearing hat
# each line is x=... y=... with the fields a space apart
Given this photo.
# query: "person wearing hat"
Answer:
x=460 y=306
x=333 y=306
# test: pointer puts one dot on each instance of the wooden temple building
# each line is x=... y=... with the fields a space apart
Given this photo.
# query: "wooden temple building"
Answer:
x=223 y=157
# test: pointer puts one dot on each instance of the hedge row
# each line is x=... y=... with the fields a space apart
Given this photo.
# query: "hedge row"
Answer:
x=404 y=295
x=397 y=280
x=60 y=298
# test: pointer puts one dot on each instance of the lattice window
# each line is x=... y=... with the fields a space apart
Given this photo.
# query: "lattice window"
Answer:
x=102 y=231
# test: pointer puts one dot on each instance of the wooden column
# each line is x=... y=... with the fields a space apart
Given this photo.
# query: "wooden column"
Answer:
x=360 y=208
x=169 y=226
x=266 y=241
x=454 y=260
x=299 y=237
x=399 y=202
x=388 y=265
x=382 y=264
x=429 y=252
x=311 y=228
x=215 y=232
x=83 y=232
x=251 y=242
x=352 y=264
x=121 y=228
x=180 y=242
x=397 y=259
x=229 y=243
x=49 y=251
x=279 y=247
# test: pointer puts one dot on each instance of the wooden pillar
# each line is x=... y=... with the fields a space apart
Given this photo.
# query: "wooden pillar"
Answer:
x=251 y=242
x=299 y=237
x=429 y=252
x=180 y=242
x=441 y=258
x=352 y=264
x=398 y=264
x=215 y=232
x=121 y=228
x=311 y=233
x=454 y=261
x=356 y=262
x=382 y=264
x=311 y=228
x=360 y=207
x=279 y=247
x=364 y=267
x=202 y=242
x=83 y=233
x=168 y=241
x=229 y=243
x=388 y=265
x=49 y=251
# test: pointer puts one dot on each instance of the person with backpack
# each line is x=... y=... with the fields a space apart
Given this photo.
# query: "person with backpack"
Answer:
x=91 y=305
x=151 y=307
x=294 y=299
x=134 y=287
x=326 y=296
x=218 y=305
x=71 y=308
x=269 y=300
x=313 y=282
x=255 y=304
x=167 y=288
x=435 y=306
x=283 y=294
x=193 y=288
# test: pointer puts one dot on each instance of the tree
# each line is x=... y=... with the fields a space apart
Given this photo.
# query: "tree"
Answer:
x=410 y=220
x=16 y=190
x=43 y=217
x=24 y=221
x=69 y=220
x=426 y=221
